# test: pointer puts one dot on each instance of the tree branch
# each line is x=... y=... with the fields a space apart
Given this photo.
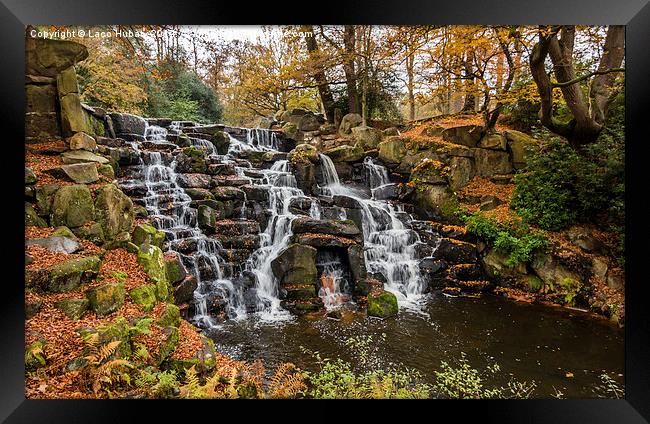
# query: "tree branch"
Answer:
x=584 y=77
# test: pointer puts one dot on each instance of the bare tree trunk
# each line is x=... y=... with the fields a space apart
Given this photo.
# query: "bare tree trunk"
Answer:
x=470 y=96
x=410 y=59
x=349 y=41
x=613 y=53
x=319 y=75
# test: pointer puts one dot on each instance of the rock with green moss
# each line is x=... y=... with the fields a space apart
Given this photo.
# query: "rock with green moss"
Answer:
x=64 y=231
x=113 y=210
x=73 y=308
x=144 y=295
x=382 y=304
x=367 y=138
x=521 y=146
x=435 y=201
x=106 y=299
x=44 y=198
x=192 y=160
x=290 y=130
x=157 y=237
x=106 y=171
x=172 y=338
x=32 y=307
x=72 y=206
x=345 y=153
x=303 y=153
x=119 y=330
x=93 y=233
x=207 y=218
x=171 y=317
x=153 y=261
x=30 y=177
x=175 y=269
x=429 y=172
x=31 y=217
x=35 y=356
x=392 y=151
x=296 y=264
x=70 y=274
x=140 y=211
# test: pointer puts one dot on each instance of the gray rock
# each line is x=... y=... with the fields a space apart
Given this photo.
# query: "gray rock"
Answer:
x=82 y=141
x=82 y=173
x=80 y=156
x=56 y=244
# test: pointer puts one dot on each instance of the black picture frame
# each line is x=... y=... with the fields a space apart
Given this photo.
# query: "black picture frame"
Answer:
x=635 y=14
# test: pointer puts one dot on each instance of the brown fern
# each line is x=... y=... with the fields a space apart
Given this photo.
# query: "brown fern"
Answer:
x=286 y=382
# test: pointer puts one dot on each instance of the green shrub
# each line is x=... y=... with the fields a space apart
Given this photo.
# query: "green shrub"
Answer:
x=517 y=240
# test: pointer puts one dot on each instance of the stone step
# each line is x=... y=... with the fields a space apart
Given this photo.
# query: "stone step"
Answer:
x=249 y=241
x=298 y=291
x=229 y=227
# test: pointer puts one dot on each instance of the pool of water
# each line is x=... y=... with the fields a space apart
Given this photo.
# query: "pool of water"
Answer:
x=529 y=342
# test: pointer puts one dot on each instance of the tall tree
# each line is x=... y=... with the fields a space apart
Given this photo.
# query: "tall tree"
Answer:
x=318 y=72
x=588 y=116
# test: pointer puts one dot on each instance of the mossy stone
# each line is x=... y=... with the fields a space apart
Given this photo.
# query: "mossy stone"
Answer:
x=106 y=171
x=69 y=275
x=72 y=206
x=382 y=304
x=93 y=233
x=31 y=217
x=106 y=299
x=171 y=317
x=140 y=232
x=64 y=231
x=35 y=356
x=73 y=308
x=114 y=211
x=144 y=295
x=169 y=345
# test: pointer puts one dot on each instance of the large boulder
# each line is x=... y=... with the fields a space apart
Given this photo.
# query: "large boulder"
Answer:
x=81 y=173
x=125 y=123
x=73 y=308
x=81 y=156
x=141 y=231
x=72 y=206
x=144 y=295
x=47 y=57
x=491 y=162
x=467 y=135
x=348 y=122
x=493 y=141
x=56 y=244
x=342 y=228
x=303 y=153
x=382 y=304
x=520 y=146
x=461 y=171
x=367 y=138
x=192 y=160
x=429 y=171
x=106 y=299
x=70 y=274
x=296 y=264
x=434 y=201
x=221 y=142
x=345 y=153
x=82 y=141
x=308 y=122
x=153 y=261
x=392 y=151
x=114 y=211
x=31 y=217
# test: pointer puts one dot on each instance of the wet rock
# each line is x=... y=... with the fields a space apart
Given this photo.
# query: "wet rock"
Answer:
x=249 y=241
x=56 y=244
x=106 y=299
x=72 y=206
x=194 y=180
x=322 y=240
x=227 y=193
x=184 y=291
x=489 y=202
x=175 y=270
x=341 y=228
x=93 y=233
x=391 y=131
x=110 y=142
x=382 y=304
x=126 y=123
x=207 y=218
x=73 y=308
x=357 y=262
x=113 y=211
x=584 y=237
x=192 y=160
x=455 y=251
x=301 y=205
x=199 y=194
x=82 y=141
x=296 y=264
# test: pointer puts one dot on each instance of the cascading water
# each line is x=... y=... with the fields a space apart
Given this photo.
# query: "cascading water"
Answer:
x=333 y=281
x=389 y=244
x=169 y=208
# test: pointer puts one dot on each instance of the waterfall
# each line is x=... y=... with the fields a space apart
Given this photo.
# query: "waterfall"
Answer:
x=389 y=244
x=169 y=208
x=335 y=288
x=256 y=140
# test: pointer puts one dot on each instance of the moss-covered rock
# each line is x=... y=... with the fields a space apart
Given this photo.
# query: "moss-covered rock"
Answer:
x=169 y=345
x=73 y=308
x=520 y=146
x=153 y=262
x=69 y=275
x=106 y=299
x=72 y=206
x=45 y=197
x=63 y=231
x=114 y=211
x=35 y=356
x=32 y=307
x=303 y=153
x=144 y=295
x=171 y=317
x=192 y=160
x=296 y=264
x=30 y=177
x=106 y=171
x=140 y=232
x=31 y=217
x=175 y=270
x=93 y=233
x=382 y=304
x=392 y=151
x=367 y=138
x=429 y=171
x=345 y=153
x=290 y=130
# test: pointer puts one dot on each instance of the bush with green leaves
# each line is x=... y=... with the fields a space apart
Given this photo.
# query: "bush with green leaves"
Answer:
x=517 y=240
